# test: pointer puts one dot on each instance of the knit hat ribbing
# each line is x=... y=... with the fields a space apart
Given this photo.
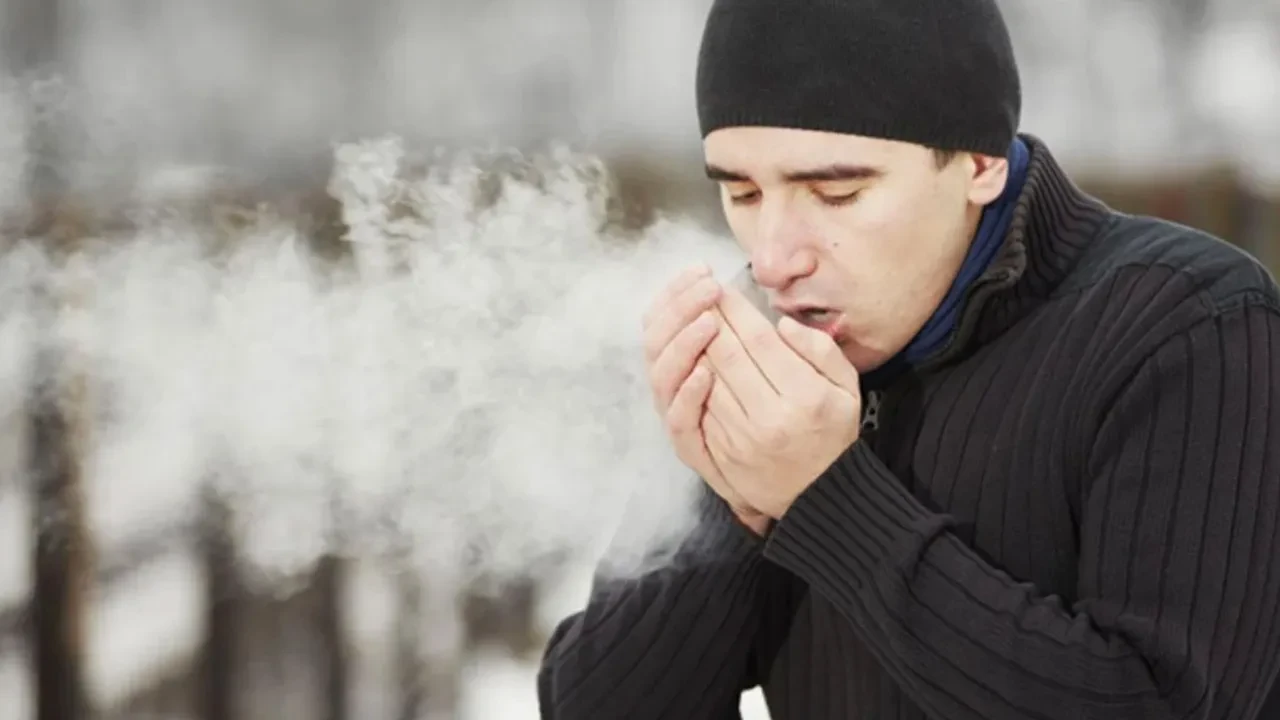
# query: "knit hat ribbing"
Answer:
x=939 y=73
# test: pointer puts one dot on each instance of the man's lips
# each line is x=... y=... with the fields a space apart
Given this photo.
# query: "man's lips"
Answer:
x=818 y=318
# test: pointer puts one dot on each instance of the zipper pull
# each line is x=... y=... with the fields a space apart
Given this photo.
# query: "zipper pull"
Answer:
x=871 y=411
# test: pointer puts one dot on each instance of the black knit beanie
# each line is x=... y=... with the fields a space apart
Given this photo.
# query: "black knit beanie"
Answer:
x=939 y=73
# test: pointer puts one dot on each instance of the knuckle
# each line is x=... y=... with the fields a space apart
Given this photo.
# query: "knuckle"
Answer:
x=682 y=413
x=730 y=449
x=758 y=337
x=653 y=370
x=679 y=420
x=688 y=276
x=772 y=434
x=713 y=434
x=692 y=336
x=675 y=286
x=656 y=370
x=652 y=346
x=664 y=393
x=809 y=410
x=661 y=306
x=673 y=381
x=655 y=345
x=701 y=292
x=732 y=354
x=696 y=301
x=663 y=403
x=838 y=407
x=822 y=406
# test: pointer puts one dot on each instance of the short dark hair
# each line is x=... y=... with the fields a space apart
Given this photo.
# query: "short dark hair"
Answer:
x=943 y=158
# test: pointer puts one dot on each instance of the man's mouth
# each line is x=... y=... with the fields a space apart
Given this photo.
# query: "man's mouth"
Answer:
x=824 y=319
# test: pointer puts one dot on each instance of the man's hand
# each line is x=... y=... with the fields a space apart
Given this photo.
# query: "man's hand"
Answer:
x=677 y=330
x=784 y=405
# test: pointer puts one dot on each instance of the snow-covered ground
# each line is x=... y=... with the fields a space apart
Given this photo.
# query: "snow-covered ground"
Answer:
x=496 y=686
x=153 y=620
x=500 y=688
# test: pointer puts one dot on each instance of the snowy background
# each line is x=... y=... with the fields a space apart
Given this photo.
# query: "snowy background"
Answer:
x=495 y=292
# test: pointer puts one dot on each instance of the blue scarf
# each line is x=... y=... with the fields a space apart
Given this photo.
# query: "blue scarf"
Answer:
x=990 y=236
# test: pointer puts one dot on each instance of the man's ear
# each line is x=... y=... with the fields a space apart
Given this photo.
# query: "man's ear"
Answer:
x=990 y=175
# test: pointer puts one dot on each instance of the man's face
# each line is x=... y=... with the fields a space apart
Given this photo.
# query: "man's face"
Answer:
x=858 y=236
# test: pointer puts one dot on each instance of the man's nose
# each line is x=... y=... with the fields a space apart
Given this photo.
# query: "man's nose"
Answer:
x=782 y=254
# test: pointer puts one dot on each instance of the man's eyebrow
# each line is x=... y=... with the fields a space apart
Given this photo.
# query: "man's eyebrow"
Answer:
x=837 y=172
x=719 y=174
x=826 y=173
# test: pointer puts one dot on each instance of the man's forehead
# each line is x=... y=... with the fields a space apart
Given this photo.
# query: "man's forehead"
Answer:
x=794 y=155
x=786 y=150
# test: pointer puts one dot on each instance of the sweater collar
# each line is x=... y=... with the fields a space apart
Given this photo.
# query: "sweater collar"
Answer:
x=987 y=241
x=1046 y=228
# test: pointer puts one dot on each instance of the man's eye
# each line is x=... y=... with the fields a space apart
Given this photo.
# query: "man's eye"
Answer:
x=744 y=198
x=838 y=198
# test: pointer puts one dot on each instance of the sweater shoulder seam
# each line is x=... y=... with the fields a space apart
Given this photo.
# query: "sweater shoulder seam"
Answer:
x=1212 y=304
x=1238 y=301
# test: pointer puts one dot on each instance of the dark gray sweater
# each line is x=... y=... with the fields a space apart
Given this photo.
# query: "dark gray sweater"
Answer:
x=1069 y=512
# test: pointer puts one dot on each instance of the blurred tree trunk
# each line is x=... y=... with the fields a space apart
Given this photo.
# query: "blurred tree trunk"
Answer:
x=330 y=581
x=428 y=642
x=224 y=609
x=33 y=51
x=62 y=562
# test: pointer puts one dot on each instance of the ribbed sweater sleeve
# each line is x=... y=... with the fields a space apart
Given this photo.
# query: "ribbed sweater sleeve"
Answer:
x=674 y=643
x=1184 y=471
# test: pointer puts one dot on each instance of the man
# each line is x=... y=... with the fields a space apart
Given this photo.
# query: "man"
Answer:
x=1010 y=453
